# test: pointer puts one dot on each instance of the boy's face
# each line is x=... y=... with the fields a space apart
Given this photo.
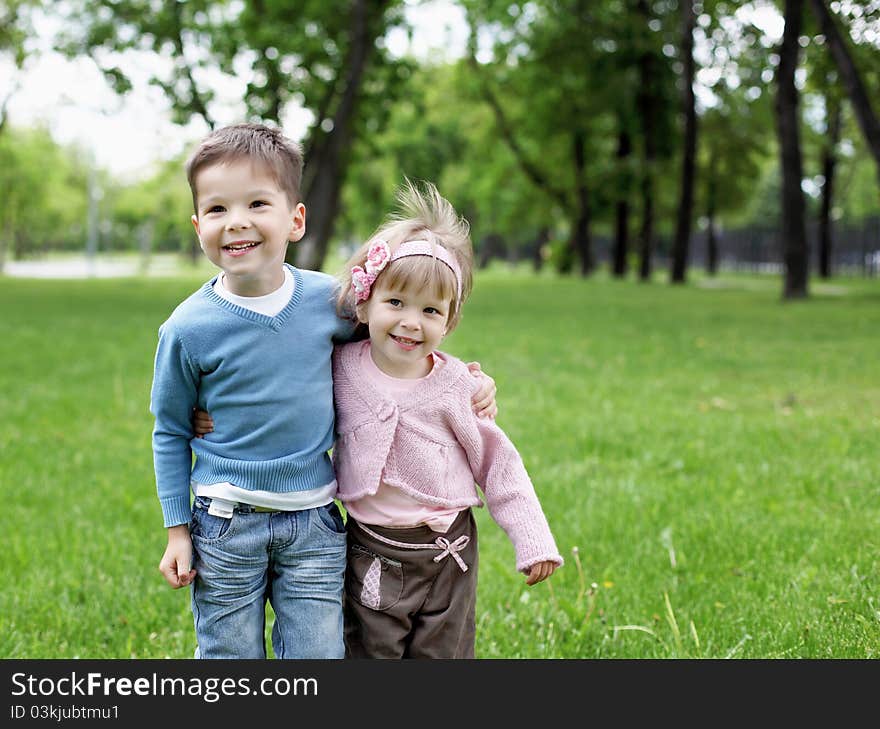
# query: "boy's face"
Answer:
x=244 y=222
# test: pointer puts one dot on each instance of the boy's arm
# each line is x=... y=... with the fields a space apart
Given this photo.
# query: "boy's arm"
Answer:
x=483 y=400
x=173 y=396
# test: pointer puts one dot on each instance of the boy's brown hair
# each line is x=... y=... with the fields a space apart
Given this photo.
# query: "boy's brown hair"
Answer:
x=259 y=143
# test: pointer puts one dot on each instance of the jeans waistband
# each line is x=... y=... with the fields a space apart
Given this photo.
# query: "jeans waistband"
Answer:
x=238 y=506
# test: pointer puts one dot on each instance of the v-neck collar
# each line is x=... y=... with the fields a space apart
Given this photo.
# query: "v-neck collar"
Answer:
x=273 y=322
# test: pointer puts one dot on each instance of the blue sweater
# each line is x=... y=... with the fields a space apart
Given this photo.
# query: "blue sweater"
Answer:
x=265 y=380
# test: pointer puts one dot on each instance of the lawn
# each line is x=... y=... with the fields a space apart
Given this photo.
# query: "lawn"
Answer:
x=706 y=456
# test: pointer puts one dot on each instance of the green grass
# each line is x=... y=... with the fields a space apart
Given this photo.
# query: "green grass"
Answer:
x=706 y=456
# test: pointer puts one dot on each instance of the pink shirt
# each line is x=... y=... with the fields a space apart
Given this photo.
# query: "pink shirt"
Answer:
x=428 y=444
x=391 y=507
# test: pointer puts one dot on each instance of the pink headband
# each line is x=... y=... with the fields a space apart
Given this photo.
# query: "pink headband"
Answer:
x=379 y=256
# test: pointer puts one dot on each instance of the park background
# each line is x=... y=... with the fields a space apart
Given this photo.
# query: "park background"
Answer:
x=675 y=209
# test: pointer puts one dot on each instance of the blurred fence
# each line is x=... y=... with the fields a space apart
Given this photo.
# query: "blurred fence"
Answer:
x=855 y=249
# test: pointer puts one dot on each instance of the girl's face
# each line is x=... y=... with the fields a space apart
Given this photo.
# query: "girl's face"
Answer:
x=406 y=325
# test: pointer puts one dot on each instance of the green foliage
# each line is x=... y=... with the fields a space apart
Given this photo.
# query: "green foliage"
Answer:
x=159 y=208
x=555 y=67
x=706 y=457
x=44 y=202
x=15 y=28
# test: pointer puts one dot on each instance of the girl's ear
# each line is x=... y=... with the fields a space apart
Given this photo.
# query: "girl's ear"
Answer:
x=361 y=311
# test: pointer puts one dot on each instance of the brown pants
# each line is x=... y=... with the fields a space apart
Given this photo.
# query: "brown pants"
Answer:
x=400 y=603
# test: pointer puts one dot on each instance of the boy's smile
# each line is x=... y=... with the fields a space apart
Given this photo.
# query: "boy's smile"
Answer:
x=244 y=222
x=240 y=247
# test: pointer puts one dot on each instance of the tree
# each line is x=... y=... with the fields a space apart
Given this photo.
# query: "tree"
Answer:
x=441 y=130
x=15 y=20
x=15 y=27
x=555 y=100
x=324 y=58
x=681 y=246
x=794 y=234
x=655 y=109
x=829 y=168
x=43 y=205
x=851 y=79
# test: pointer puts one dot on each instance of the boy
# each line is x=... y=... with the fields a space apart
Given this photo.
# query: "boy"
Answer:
x=253 y=347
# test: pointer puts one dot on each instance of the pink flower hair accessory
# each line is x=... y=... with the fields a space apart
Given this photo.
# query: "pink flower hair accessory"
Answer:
x=377 y=257
x=362 y=278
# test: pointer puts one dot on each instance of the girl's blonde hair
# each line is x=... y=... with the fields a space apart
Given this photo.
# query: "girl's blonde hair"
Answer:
x=423 y=214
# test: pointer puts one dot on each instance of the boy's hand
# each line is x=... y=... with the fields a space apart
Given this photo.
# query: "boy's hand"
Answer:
x=540 y=572
x=484 y=398
x=202 y=423
x=176 y=564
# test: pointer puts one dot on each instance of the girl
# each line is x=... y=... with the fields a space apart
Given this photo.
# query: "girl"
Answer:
x=409 y=448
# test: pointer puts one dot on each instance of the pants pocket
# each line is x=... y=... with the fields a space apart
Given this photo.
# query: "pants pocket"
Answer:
x=373 y=580
x=208 y=527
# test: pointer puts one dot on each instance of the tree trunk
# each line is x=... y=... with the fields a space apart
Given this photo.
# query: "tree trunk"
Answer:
x=829 y=164
x=581 y=238
x=325 y=171
x=492 y=246
x=794 y=234
x=6 y=233
x=645 y=104
x=621 y=208
x=849 y=74
x=711 y=205
x=681 y=245
x=711 y=246
x=538 y=249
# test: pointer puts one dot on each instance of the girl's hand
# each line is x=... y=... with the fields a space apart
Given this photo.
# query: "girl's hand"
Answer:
x=540 y=572
x=202 y=423
x=484 y=398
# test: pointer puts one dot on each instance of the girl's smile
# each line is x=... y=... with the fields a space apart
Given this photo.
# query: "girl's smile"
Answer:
x=406 y=342
x=406 y=326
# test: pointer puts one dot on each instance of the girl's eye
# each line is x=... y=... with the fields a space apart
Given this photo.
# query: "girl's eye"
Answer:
x=431 y=310
x=395 y=302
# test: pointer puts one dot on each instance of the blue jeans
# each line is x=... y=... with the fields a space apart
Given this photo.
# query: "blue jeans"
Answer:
x=293 y=559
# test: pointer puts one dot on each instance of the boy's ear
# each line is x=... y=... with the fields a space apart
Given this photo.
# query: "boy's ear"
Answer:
x=195 y=221
x=297 y=223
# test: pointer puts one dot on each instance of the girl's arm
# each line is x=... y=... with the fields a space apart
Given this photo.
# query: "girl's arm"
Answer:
x=510 y=496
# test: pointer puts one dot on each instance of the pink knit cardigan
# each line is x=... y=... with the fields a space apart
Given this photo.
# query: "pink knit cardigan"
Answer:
x=430 y=445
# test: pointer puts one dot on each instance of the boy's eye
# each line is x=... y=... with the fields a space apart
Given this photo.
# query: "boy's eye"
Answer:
x=215 y=209
x=432 y=310
x=258 y=203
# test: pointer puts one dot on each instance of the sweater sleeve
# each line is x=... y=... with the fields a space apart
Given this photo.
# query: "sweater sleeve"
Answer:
x=510 y=496
x=173 y=396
